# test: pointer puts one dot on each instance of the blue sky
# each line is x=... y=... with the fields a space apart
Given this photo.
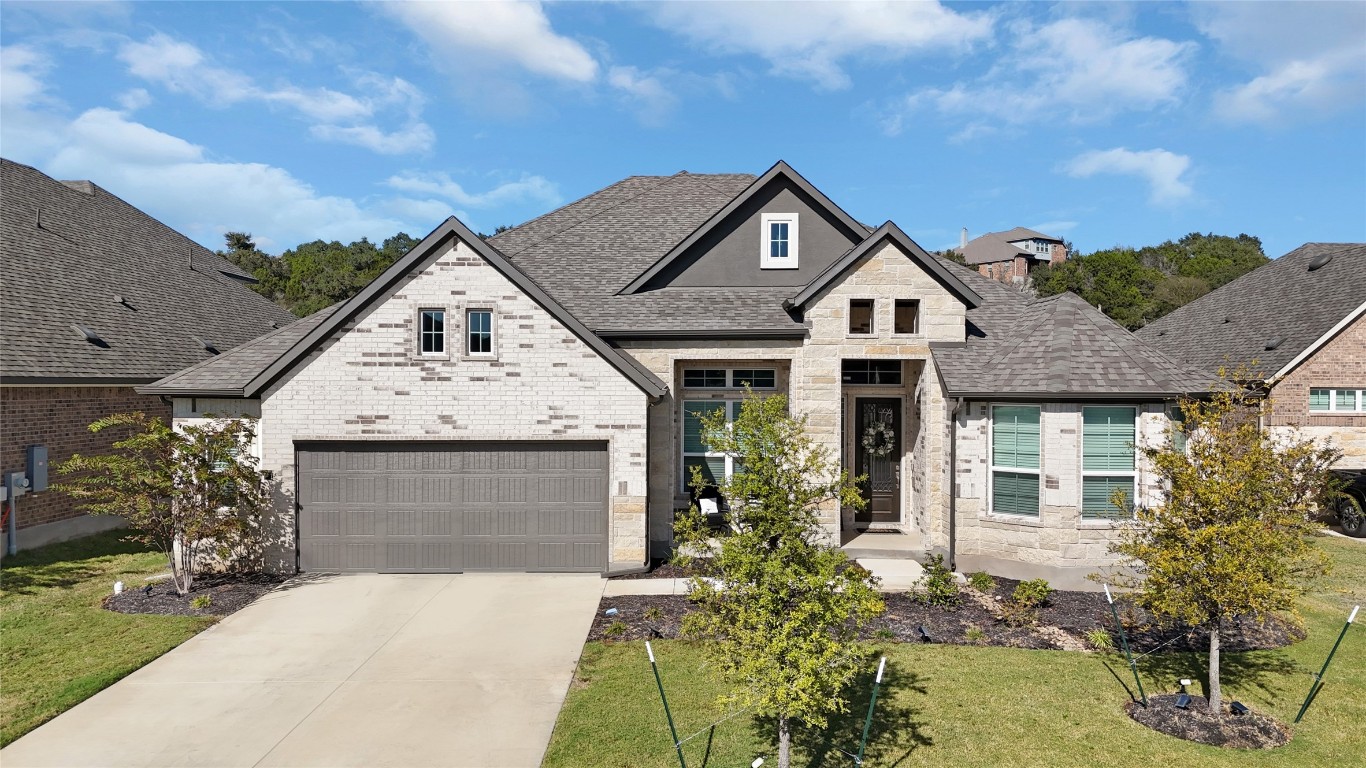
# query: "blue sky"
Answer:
x=1103 y=123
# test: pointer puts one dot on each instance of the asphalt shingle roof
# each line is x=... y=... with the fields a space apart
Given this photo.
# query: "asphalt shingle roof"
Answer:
x=1283 y=299
x=1061 y=346
x=69 y=248
x=995 y=246
x=230 y=372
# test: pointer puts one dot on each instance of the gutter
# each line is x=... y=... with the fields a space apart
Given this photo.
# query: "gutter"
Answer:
x=953 y=484
x=761 y=333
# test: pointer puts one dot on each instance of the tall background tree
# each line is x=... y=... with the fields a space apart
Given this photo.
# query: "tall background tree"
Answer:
x=1233 y=536
x=311 y=276
x=1137 y=286
x=778 y=603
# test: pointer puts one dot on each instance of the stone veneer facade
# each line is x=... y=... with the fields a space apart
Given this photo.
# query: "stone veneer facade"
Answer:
x=368 y=382
x=1057 y=544
x=1340 y=363
x=812 y=369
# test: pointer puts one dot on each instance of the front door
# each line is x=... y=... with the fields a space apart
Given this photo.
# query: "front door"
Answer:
x=877 y=454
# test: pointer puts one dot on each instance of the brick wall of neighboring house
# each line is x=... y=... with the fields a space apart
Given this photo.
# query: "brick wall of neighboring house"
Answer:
x=59 y=417
x=1058 y=254
x=1341 y=363
x=368 y=382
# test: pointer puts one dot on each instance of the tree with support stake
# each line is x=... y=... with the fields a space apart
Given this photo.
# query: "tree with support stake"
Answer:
x=1124 y=642
x=1234 y=533
x=1318 y=679
x=779 y=604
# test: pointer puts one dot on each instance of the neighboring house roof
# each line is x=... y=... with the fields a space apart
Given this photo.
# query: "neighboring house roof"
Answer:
x=255 y=369
x=1271 y=315
x=779 y=169
x=72 y=250
x=887 y=232
x=1059 y=348
x=996 y=246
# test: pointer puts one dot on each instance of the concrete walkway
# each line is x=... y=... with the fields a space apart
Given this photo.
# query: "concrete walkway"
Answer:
x=364 y=670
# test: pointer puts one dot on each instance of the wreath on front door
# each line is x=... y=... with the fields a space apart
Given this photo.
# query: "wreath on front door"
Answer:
x=878 y=440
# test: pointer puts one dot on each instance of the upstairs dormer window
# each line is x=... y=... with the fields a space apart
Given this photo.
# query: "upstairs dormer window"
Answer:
x=1041 y=247
x=778 y=242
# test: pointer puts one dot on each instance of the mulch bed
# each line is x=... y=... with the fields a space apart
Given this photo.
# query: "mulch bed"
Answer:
x=227 y=593
x=661 y=570
x=1249 y=731
x=1063 y=624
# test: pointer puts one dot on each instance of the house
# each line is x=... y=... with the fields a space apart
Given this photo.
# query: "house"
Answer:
x=1299 y=324
x=99 y=298
x=531 y=402
x=1011 y=255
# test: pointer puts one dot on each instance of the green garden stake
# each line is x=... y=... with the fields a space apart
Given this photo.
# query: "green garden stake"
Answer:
x=1124 y=641
x=1318 y=679
x=868 y=724
x=672 y=730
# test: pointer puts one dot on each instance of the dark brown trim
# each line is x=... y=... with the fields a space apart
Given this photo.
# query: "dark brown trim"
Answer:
x=670 y=333
x=780 y=168
x=72 y=381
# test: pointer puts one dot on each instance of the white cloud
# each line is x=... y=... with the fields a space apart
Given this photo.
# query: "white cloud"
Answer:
x=654 y=101
x=21 y=68
x=513 y=32
x=810 y=40
x=527 y=188
x=28 y=126
x=1162 y=170
x=134 y=99
x=178 y=182
x=1311 y=56
x=1081 y=70
x=182 y=68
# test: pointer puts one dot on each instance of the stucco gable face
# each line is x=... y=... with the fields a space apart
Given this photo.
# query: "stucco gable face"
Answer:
x=885 y=275
x=729 y=255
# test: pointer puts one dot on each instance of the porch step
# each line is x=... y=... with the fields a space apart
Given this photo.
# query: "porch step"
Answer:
x=896 y=575
x=885 y=546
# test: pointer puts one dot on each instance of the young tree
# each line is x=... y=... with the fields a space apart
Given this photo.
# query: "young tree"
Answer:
x=1233 y=536
x=179 y=489
x=781 y=605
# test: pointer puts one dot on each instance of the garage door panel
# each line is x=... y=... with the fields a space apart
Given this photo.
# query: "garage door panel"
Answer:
x=453 y=506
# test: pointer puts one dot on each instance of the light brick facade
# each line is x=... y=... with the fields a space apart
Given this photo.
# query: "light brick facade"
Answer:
x=368 y=382
x=1340 y=363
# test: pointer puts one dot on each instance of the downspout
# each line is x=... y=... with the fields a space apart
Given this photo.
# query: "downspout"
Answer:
x=953 y=483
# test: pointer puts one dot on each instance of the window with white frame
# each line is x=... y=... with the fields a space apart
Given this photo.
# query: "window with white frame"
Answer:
x=479 y=332
x=778 y=241
x=1041 y=247
x=432 y=331
x=715 y=466
x=730 y=378
x=1107 y=460
x=1337 y=400
x=1015 y=459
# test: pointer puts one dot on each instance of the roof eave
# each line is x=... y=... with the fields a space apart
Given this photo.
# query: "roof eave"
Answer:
x=675 y=333
x=888 y=231
x=173 y=391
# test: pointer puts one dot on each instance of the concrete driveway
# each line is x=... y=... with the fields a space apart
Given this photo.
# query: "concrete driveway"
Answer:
x=364 y=670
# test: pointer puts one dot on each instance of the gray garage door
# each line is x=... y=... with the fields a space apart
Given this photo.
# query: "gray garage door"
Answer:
x=434 y=507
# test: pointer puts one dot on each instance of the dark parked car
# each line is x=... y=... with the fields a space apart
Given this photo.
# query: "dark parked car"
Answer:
x=1350 y=508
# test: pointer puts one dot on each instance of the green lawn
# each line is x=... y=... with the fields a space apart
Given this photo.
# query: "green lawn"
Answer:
x=57 y=645
x=963 y=706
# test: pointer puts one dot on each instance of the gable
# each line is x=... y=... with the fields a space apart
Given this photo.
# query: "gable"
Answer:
x=729 y=253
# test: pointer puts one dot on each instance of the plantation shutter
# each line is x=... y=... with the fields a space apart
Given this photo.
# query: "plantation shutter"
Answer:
x=1319 y=399
x=1107 y=439
x=692 y=423
x=1096 y=493
x=1179 y=430
x=1347 y=399
x=1015 y=493
x=1015 y=436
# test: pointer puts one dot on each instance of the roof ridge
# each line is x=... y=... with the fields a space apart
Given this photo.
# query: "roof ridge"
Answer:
x=664 y=180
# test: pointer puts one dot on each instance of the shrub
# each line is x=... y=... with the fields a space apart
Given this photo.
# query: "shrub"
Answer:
x=201 y=602
x=975 y=635
x=1033 y=593
x=982 y=582
x=653 y=613
x=1100 y=640
x=938 y=585
x=615 y=629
